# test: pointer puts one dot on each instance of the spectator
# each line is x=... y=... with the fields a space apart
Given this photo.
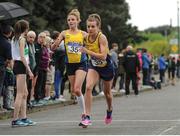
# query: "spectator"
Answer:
x=145 y=67
x=139 y=54
x=121 y=71
x=131 y=65
x=8 y=93
x=47 y=33
x=114 y=56
x=178 y=67
x=50 y=71
x=169 y=64
x=42 y=67
x=59 y=61
x=31 y=35
x=173 y=69
x=5 y=53
x=162 y=68
x=38 y=51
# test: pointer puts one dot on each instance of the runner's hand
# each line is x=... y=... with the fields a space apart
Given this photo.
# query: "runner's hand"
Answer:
x=31 y=75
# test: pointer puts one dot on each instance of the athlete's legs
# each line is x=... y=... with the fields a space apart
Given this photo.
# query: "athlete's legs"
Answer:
x=91 y=80
x=24 y=103
x=21 y=97
x=72 y=80
x=108 y=93
x=79 y=79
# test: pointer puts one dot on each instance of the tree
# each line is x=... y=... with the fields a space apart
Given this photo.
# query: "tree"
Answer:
x=51 y=15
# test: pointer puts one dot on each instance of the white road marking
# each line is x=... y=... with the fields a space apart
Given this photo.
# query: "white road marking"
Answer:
x=166 y=130
x=170 y=128
x=71 y=121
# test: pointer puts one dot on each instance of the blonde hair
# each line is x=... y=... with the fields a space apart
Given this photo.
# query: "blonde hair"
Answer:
x=76 y=13
x=129 y=47
x=42 y=34
x=95 y=17
x=48 y=40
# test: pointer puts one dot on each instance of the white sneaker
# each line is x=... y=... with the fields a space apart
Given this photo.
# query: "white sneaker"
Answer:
x=113 y=91
x=122 y=90
x=47 y=98
x=101 y=93
x=61 y=98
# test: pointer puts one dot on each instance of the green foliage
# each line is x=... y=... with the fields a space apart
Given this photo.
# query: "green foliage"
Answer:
x=52 y=14
x=164 y=30
x=156 y=47
x=153 y=36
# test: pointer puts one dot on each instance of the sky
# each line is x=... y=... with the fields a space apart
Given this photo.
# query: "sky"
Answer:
x=152 y=13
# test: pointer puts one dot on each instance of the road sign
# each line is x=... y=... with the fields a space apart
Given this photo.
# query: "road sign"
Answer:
x=174 y=48
x=173 y=41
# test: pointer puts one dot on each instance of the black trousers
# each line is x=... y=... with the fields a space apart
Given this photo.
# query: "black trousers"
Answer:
x=133 y=77
x=39 y=91
x=121 y=81
x=115 y=78
x=29 y=87
x=162 y=75
x=145 y=76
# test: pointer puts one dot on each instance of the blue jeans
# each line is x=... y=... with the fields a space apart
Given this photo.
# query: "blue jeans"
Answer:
x=57 y=82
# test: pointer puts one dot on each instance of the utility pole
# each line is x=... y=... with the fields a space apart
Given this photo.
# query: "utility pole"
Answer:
x=178 y=26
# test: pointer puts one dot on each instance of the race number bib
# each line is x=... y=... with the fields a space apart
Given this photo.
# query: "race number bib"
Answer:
x=74 y=48
x=98 y=62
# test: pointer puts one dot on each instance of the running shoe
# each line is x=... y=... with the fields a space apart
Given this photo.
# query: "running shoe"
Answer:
x=108 y=118
x=86 y=121
x=18 y=123
x=83 y=118
x=28 y=121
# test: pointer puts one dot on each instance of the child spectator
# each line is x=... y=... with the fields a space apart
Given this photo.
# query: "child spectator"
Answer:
x=49 y=78
x=8 y=95
x=42 y=67
x=155 y=84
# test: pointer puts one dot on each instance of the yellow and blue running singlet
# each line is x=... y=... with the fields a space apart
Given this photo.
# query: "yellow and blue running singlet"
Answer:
x=73 y=42
x=94 y=46
x=104 y=68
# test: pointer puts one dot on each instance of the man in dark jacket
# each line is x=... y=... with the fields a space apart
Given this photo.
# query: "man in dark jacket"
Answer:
x=5 y=52
x=132 y=66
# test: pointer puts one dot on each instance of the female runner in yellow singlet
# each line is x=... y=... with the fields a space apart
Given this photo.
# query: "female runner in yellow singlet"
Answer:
x=100 y=66
x=76 y=61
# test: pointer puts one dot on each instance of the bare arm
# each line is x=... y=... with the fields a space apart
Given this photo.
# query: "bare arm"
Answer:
x=58 y=40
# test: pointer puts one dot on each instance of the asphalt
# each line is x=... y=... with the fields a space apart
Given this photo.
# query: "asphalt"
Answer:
x=55 y=104
x=152 y=112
